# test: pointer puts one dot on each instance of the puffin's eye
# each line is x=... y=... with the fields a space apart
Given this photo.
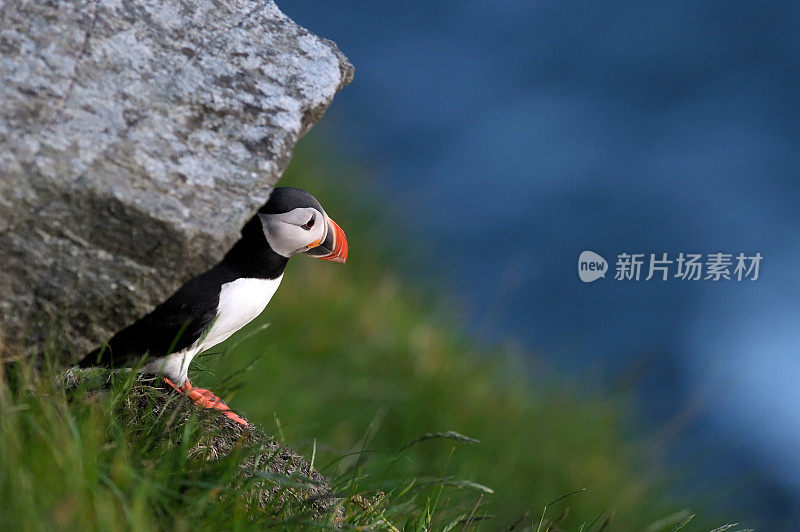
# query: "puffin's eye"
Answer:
x=309 y=224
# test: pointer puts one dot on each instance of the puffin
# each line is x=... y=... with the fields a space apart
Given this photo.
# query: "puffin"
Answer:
x=211 y=307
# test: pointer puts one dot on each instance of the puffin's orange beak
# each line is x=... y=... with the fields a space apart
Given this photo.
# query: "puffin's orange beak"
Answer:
x=334 y=247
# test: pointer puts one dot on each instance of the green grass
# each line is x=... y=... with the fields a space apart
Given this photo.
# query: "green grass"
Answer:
x=416 y=425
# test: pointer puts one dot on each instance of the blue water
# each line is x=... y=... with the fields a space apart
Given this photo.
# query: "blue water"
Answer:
x=517 y=134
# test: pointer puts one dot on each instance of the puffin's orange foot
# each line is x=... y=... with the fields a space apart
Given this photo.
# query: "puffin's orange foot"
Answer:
x=206 y=399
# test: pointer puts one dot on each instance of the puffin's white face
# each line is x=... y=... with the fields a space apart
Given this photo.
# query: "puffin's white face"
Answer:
x=295 y=231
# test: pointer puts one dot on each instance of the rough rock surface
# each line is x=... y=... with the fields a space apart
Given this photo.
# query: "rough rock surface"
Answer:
x=136 y=138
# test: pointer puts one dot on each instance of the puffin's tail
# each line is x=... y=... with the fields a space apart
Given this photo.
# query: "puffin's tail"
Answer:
x=99 y=357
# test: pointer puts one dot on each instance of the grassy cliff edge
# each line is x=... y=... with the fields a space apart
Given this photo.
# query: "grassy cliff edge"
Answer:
x=415 y=424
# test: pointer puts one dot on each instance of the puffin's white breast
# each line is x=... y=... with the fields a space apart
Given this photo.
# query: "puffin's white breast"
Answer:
x=240 y=302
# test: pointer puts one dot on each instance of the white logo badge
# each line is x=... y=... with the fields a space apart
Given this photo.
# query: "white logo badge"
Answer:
x=591 y=266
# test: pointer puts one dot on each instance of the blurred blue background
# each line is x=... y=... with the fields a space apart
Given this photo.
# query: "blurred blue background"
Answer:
x=513 y=135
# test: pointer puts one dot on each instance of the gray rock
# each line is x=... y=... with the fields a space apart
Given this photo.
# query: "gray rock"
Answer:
x=136 y=138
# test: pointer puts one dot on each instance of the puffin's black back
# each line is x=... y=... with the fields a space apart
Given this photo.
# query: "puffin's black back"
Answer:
x=179 y=321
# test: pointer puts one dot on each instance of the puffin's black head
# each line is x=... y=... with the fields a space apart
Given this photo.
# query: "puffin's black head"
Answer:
x=294 y=222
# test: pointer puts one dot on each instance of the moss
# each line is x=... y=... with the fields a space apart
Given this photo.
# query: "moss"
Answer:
x=294 y=487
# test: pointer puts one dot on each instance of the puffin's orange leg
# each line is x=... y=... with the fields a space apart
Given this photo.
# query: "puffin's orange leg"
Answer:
x=206 y=399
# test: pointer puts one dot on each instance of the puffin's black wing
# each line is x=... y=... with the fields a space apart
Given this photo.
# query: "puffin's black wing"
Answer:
x=172 y=326
x=180 y=320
